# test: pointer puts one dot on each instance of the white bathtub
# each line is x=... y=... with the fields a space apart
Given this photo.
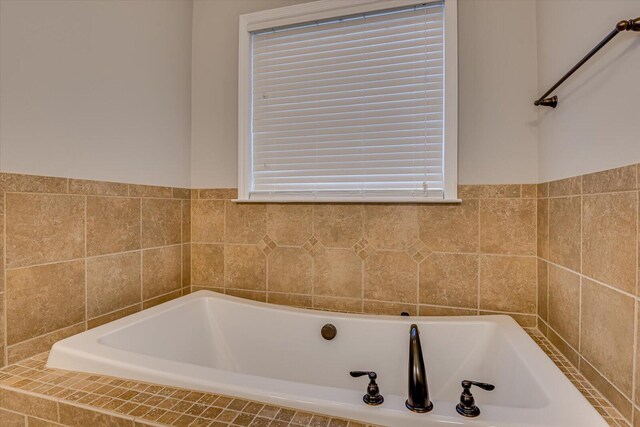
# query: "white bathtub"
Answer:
x=212 y=342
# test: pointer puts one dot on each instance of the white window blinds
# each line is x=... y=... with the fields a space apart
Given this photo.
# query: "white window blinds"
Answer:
x=351 y=107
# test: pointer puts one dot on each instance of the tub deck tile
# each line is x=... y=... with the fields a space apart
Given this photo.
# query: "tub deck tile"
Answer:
x=134 y=403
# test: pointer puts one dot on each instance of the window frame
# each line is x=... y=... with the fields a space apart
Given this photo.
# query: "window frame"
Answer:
x=326 y=9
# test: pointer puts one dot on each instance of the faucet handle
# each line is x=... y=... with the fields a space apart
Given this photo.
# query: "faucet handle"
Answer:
x=466 y=384
x=372 y=375
x=373 y=396
x=467 y=406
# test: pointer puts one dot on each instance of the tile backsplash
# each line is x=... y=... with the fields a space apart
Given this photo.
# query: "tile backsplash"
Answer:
x=76 y=254
x=475 y=257
x=561 y=255
x=588 y=278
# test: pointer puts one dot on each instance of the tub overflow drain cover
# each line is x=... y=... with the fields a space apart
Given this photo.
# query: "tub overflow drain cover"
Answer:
x=329 y=332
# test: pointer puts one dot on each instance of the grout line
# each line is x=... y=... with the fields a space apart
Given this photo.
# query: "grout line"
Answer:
x=86 y=272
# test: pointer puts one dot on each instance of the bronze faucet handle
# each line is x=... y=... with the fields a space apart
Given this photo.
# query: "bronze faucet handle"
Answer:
x=373 y=396
x=467 y=406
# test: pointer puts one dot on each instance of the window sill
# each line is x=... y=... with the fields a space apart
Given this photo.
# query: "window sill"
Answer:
x=409 y=200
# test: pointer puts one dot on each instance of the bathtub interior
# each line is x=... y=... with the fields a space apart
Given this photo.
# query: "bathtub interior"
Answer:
x=282 y=344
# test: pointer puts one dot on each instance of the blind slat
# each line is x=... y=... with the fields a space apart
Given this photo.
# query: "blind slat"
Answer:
x=350 y=107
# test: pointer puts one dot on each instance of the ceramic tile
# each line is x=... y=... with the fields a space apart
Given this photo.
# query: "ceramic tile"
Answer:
x=609 y=239
x=245 y=222
x=564 y=232
x=289 y=224
x=113 y=282
x=338 y=225
x=391 y=227
x=244 y=267
x=161 y=222
x=34 y=307
x=449 y=280
x=564 y=304
x=391 y=276
x=338 y=273
x=43 y=228
x=508 y=226
x=207 y=265
x=450 y=228
x=290 y=270
x=508 y=283
x=113 y=225
x=161 y=271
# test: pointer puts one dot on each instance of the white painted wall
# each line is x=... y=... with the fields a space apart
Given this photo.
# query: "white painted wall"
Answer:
x=214 y=90
x=497 y=53
x=497 y=85
x=597 y=122
x=96 y=89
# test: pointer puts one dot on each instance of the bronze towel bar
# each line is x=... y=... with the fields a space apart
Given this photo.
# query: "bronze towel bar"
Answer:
x=630 y=25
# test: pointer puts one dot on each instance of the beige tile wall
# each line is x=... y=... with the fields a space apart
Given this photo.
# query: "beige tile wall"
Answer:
x=588 y=278
x=76 y=254
x=476 y=257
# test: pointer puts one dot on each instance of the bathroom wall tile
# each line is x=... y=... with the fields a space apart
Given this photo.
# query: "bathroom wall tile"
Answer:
x=181 y=193
x=41 y=343
x=161 y=271
x=2 y=329
x=207 y=221
x=391 y=227
x=564 y=232
x=218 y=193
x=289 y=224
x=617 y=399
x=136 y=190
x=508 y=283
x=543 y=289
x=76 y=416
x=43 y=228
x=186 y=265
x=113 y=225
x=607 y=333
x=161 y=299
x=97 y=188
x=637 y=355
x=529 y=191
x=620 y=179
x=289 y=270
x=430 y=310
x=244 y=267
x=113 y=282
x=508 y=226
x=449 y=280
x=389 y=308
x=248 y=294
x=499 y=191
x=450 y=228
x=564 y=304
x=351 y=305
x=338 y=225
x=543 y=189
x=338 y=273
x=207 y=265
x=33 y=405
x=468 y=192
x=12 y=419
x=609 y=239
x=568 y=352
x=101 y=320
x=34 y=307
x=245 y=222
x=391 y=276
x=161 y=222
x=543 y=228
x=292 y=300
x=565 y=187
x=186 y=221
x=13 y=182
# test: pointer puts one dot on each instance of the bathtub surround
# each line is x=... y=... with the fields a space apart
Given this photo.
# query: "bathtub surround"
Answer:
x=31 y=393
x=77 y=254
x=588 y=278
x=475 y=257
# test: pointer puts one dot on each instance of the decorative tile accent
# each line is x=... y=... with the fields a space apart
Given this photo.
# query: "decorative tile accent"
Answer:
x=362 y=248
x=418 y=251
x=266 y=245
x=313 y=246
x=29 y=388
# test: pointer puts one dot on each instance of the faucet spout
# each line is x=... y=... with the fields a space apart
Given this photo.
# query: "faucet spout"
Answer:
x=418 y=400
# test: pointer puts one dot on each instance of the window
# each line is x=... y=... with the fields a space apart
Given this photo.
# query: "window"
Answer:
x=349 y=101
